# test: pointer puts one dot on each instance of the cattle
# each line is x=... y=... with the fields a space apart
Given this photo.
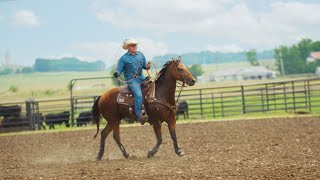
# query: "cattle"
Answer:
x=182 y=108
x=52 y=119
x=12 y=121
x=10 y=111
x=84 y=118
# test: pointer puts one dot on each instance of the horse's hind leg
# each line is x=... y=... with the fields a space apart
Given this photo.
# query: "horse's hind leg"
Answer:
x=116 y=137
x=157 y=131
x=104 y=133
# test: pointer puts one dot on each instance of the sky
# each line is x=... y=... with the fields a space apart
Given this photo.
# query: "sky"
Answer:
x=95 y=29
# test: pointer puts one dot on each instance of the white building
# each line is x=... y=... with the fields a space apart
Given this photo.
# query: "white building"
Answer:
x=318 y=71
x=254 y=72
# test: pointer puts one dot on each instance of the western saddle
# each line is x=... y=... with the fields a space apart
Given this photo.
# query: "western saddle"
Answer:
x=125 y=96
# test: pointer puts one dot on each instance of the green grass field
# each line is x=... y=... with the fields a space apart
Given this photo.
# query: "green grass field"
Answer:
x=54 y=85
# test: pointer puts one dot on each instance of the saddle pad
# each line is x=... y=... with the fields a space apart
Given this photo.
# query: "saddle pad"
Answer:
x=125 y=96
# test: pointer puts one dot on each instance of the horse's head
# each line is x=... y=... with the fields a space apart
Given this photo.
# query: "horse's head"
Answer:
x=181 y=72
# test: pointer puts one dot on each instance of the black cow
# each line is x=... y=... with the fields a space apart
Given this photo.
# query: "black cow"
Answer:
x=182 y=108
x=12 y=121
x=84 y=118
x=52 y=119
x=10 y=111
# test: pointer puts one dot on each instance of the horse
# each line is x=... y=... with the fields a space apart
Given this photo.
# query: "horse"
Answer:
x=161 y=109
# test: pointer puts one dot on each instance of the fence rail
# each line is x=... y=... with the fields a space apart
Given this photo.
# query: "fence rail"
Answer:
x=286 y=96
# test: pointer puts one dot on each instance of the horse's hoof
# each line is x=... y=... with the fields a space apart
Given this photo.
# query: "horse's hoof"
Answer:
x=181 y=154
x=150 y=154
x=126 y=155
x=99 y=158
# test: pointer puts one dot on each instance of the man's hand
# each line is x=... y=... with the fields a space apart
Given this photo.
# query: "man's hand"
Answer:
x=116 y=75
x=148 y=65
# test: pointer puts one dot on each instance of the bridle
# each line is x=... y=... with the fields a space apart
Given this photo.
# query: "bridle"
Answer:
x=183 y=76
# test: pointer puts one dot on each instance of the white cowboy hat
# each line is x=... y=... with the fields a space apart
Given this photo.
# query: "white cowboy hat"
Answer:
x=127 y=42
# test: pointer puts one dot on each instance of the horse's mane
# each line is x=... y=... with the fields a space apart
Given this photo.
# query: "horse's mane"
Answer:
x=162 y=72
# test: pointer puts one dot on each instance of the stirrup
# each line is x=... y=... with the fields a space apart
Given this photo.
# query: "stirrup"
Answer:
x=143 y=119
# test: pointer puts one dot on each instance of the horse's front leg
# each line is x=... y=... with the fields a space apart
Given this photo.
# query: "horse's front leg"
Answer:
x=157 y=132
x=172 y=130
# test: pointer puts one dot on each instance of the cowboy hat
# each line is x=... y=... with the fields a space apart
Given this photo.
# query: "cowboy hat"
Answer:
x=127 y=42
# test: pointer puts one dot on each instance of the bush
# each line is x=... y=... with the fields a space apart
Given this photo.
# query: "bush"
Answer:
x=49 y=92
x=13 y=88
x=6 y=71
x=27 y=70
x=196 y=70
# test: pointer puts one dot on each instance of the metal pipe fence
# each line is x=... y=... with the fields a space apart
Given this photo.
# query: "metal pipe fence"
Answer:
x=297 y=96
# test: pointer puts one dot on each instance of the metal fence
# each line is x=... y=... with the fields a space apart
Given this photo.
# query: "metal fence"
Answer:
x=297 y=96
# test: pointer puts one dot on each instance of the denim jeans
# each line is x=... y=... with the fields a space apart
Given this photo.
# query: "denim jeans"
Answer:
x=135 y=86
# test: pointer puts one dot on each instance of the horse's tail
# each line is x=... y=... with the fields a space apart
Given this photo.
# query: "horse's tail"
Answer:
x=96 y=115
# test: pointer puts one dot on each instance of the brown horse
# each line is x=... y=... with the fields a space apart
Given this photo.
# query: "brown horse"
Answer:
x=162 y=109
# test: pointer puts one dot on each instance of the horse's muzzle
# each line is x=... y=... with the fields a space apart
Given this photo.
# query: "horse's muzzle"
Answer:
x=191 y=82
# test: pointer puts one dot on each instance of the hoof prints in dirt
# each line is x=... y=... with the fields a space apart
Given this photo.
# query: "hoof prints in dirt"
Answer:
x=248 y=149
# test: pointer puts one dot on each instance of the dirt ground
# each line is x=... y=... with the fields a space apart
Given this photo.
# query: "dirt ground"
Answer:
x=246 y=149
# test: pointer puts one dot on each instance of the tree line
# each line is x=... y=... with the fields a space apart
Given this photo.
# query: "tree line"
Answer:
x=67 y=64
x=50 y=65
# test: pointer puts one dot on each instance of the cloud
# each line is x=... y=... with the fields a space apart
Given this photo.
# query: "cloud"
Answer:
x=112 y=51
x=1 y=18
x=226 y=21
x=25 y=18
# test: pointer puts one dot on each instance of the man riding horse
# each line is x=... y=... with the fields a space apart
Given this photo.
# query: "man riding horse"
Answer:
x=131 y=64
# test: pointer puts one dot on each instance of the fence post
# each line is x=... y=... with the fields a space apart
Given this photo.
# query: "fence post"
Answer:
x=30 y=113
x=309 y=96
x=285 y=97
x=37 y=117
x=274 y=96
x=243 y=101
x=262 y=100
x=201 y=108
x=293 y=96
x=72 y=110
x=221 y=103
x=213 y=110
x=267 y=94
x=305 y=94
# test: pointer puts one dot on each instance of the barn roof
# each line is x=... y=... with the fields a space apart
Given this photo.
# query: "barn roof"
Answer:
x=315 y=55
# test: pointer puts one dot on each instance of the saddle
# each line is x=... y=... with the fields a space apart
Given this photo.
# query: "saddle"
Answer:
x=125 y=96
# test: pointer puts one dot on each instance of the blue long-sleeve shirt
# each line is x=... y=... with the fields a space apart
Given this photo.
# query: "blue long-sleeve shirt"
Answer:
x=131 y=65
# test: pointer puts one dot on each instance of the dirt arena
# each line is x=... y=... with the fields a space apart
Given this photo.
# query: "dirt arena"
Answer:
x=247 y=149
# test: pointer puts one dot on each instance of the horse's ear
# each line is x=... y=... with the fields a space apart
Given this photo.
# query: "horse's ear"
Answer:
x=179 y=58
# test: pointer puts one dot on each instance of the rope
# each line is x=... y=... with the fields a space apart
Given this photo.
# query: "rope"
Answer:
x=179 y=93
x=137 y=84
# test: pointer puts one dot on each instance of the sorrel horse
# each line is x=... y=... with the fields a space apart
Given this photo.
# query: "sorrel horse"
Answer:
x=162 y=109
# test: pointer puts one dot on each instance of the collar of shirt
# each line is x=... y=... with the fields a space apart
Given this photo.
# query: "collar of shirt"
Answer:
x=128 y=53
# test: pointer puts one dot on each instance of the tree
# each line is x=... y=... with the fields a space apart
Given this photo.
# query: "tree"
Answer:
x=294 y=58
x=6 y=71
x=252 y=57
x=26 y=70
x=196 y=70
